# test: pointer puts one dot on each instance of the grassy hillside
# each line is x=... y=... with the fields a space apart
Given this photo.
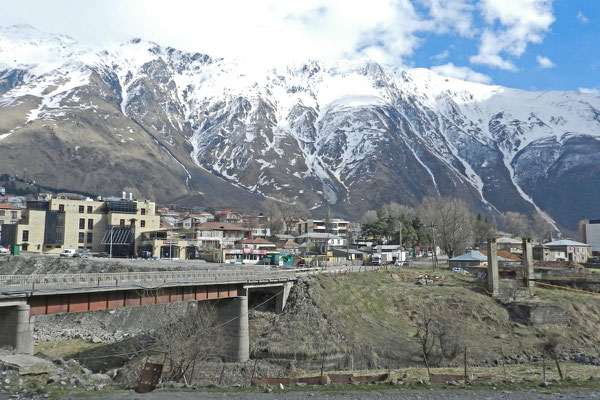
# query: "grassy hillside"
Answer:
x=370 y=321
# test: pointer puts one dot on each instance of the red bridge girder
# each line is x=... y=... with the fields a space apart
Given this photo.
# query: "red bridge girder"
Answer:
x=79 y=302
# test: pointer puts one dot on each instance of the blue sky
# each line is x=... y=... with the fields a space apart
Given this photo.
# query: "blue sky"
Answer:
x=526 y=44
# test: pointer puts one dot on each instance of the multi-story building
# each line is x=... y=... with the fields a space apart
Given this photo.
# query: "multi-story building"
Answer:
x=9 y=214
x=338 y=227
x=113 y=225
x=591 y=235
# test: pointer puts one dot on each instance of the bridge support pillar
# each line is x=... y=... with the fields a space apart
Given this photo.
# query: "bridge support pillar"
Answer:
x=281 y=298
x=233 y=313
x=492 y=268
x=16 y=328
x=528 y=271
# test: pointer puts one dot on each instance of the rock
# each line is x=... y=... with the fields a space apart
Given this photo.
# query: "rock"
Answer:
x=267 y=390
x=596 y=362
x=102 y=378
x=545 y=384
x=406 y=375
x=584 y=359
x=27 y=365
x=113 y=373
x=86 y=371
x=53 y=379
x=281 y=386
x=96 y=339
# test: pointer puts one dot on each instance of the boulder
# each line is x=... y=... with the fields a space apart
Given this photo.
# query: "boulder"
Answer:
x=27 y=365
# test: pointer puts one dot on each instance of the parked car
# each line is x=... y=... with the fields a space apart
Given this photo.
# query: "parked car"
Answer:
x=81 y=254
x=4 y=250
x=102 y=254
x=67 y=253
x=459 y=270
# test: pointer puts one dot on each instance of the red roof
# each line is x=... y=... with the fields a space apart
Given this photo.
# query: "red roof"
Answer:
x=223 y=213
x=6 y=206
x=257 y=240
x=219 y=226
x=504 y=254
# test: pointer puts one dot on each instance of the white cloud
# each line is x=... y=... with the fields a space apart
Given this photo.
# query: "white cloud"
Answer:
x=441 y=56
x=544 y=62
x=519 y=22
x=582 y=17
x=464 y=73
x=594 y=91
x=451 y=16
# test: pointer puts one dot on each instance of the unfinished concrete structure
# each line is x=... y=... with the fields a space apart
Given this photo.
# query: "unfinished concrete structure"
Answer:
x=492 y=270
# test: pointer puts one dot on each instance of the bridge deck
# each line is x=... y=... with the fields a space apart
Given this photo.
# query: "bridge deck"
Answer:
x=32 y=285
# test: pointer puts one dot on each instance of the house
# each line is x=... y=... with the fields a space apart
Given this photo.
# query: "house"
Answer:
x=67 y=222
x=230 y=216
x=542 y=252
x=473 y=258
x=258 y=244
x=288 y=246
x=178 y=244
x=192 y=221
x=338 y=227
x=225 y=233
x=317 y=237
x=260 y=231
x=510 y=245
x=575 y=251
x=591 y=235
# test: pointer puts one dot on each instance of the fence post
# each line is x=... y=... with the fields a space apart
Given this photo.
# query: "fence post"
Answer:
x=466 y=373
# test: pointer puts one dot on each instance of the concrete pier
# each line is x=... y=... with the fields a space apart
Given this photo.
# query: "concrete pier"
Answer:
x=492 y=270
x=282 y=296
x=528 y=272
x=16 y=328
x=233 y=313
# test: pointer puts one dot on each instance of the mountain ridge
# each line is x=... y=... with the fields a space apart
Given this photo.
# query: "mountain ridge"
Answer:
x=356 y=134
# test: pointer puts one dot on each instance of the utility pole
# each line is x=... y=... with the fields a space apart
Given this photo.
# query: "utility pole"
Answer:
x=434 y=251
x=327 y=229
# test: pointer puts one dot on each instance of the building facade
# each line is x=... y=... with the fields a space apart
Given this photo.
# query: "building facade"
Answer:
x=591 y=235
x=114 y=226
x=338 y=227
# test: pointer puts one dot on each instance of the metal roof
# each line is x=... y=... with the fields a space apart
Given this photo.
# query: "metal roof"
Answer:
x=318 y=235
x=566 y=242
x=475 y=255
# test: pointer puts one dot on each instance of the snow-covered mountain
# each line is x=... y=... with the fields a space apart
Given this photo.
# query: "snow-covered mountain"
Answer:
x=175 y=125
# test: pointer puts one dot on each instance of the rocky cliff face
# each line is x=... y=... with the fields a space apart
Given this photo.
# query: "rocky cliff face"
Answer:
x=179 y=126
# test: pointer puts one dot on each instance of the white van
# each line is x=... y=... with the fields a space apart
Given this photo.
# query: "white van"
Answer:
x=67 y=253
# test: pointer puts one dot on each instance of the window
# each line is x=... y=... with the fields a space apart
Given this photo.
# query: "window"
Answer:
x=90 y=210
x=143 y=211
x=81 y=237
x=61 y=207
x=89 y=237
x=25 y=236
x=13 y=214
x=81 y=223
x=90 y=223
x=142 y=223
x=122 y=223
x=2 y=213
x=81 y=208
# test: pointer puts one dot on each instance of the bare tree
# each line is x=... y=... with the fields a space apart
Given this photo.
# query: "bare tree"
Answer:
x=395 y=210
x=187 y=339
x=482 y=230
x=550 y=347
x=282 y=211
x=453 y=222
x=516 y=223
x=541 y=227
x=369 y=217
x=438 y=335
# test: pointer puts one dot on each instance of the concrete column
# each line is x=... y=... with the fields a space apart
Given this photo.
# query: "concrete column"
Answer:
x=16 y=328
x=528 y=272
x=233 y=313
x=281 y=298
x=492 y=270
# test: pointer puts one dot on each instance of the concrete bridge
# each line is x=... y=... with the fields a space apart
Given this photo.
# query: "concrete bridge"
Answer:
x=22 y=297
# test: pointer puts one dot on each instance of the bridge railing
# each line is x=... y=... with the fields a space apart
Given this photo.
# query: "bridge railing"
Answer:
x=12 y=283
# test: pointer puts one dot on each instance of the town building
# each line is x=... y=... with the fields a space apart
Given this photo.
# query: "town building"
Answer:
x=544 y=253
x=591 y=235
x=474 y=258
x=9 y=214
x=230 y=216
x=575 y=251
x=114 y=225
x=222 y=234
x=338 y=227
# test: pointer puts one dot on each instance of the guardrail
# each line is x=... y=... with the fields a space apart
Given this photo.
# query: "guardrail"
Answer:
x=24 y=284
x=10 y=284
